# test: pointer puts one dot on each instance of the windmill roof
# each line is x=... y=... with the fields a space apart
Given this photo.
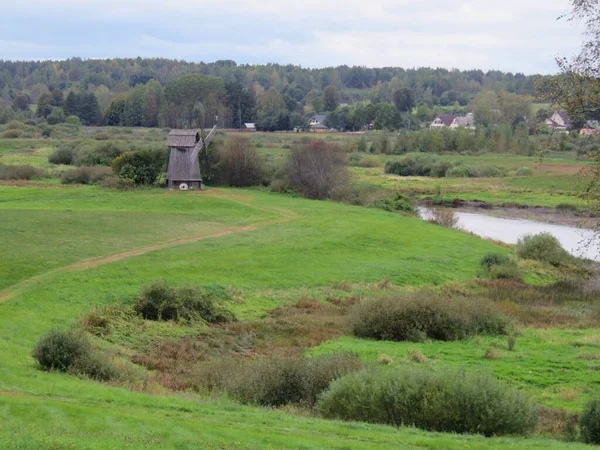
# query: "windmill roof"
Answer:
x=183 y=138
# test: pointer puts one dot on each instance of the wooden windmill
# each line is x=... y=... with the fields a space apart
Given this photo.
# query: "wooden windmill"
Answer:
x=184 y=167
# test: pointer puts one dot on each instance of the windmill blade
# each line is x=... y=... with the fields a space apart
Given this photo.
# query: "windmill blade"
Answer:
x=203 y=143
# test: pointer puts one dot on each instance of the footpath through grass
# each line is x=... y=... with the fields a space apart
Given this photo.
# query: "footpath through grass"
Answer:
x=48 y=228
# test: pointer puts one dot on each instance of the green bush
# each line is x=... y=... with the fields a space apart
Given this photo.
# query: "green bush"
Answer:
x=524 y=172
x=14 y=125
x=143 y=167
x=412 y=165
x=99 y=153
x=28 y=133
x=488 y=172
x=590 y=422
x=62 y=155
x=73 y=120
x=370 y=162
x=509 y=271
x=26 y=172
x=398 y=203
x=404 y=317
x=86 y=175
x=71 y=351
x=355 y=158
x=11 y=134
x=64 y=130
x=60 y=350
x=543 y=247
x=277 y=381
x=445 y=401
x=440 y=168
x=162 y=302
x=494 y=259
x=461 y=171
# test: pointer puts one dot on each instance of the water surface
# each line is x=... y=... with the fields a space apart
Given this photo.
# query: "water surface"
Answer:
x=579 y=242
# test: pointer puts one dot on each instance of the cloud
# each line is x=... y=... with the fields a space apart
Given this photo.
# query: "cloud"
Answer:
x=515 y=35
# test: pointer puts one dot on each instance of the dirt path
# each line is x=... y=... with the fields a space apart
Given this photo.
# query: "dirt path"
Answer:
x=7 y=293
x=12 y=394
x=286 y=216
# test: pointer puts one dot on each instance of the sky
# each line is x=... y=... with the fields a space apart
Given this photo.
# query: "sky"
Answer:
x=510 y=35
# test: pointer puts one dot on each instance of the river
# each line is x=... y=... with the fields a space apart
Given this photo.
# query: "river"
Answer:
x=579 y=242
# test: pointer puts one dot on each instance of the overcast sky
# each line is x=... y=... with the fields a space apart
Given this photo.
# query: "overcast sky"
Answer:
x=511 y=35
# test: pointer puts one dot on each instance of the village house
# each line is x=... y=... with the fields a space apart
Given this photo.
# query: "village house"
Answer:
x=453 y=122
x=589 y=132
x=249 y=127
x=316 y=124
x=559 y=121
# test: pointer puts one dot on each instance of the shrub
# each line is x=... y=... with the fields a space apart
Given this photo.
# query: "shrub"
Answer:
x=316 y=169
x=240 y=163
x=99 y=153
x=277 y=381
x=64 y=130
x=590 y=422
x=60 y=350
x=162 y=302
x=402 y=167
x=102 y=136
x=461 y=172
x=512 y=341
x=543 y=247
x=384 y=359
x=444 y=217
x=491 y=354
x=142 y=167
x=86 y=175
x=14 y=125
x=439 y=169
x=20 y=172
x=355 y=158
x=71 y=351
x=62 y=155
x=494 y=259
x=488 y=172
x=11 y=134
x=409 y=317
x=73 y=120
x=56 y=116
x=28 y=133
x=525 y=172
x=508 y=271
x=370 y=162
x=417 y=165
x=398 y=203
x=448 y=401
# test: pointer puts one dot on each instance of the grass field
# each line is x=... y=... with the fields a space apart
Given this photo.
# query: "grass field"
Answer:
x=292 y=245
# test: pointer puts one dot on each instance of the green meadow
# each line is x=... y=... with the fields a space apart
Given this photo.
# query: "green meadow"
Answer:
x=295 y=245
x=67 y=250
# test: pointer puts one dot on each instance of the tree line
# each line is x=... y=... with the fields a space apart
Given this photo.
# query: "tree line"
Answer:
x=155 y=92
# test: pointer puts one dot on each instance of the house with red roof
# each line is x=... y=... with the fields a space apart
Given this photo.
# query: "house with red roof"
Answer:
x=453 y=122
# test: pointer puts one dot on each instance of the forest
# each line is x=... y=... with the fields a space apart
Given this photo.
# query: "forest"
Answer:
x=170 y=93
